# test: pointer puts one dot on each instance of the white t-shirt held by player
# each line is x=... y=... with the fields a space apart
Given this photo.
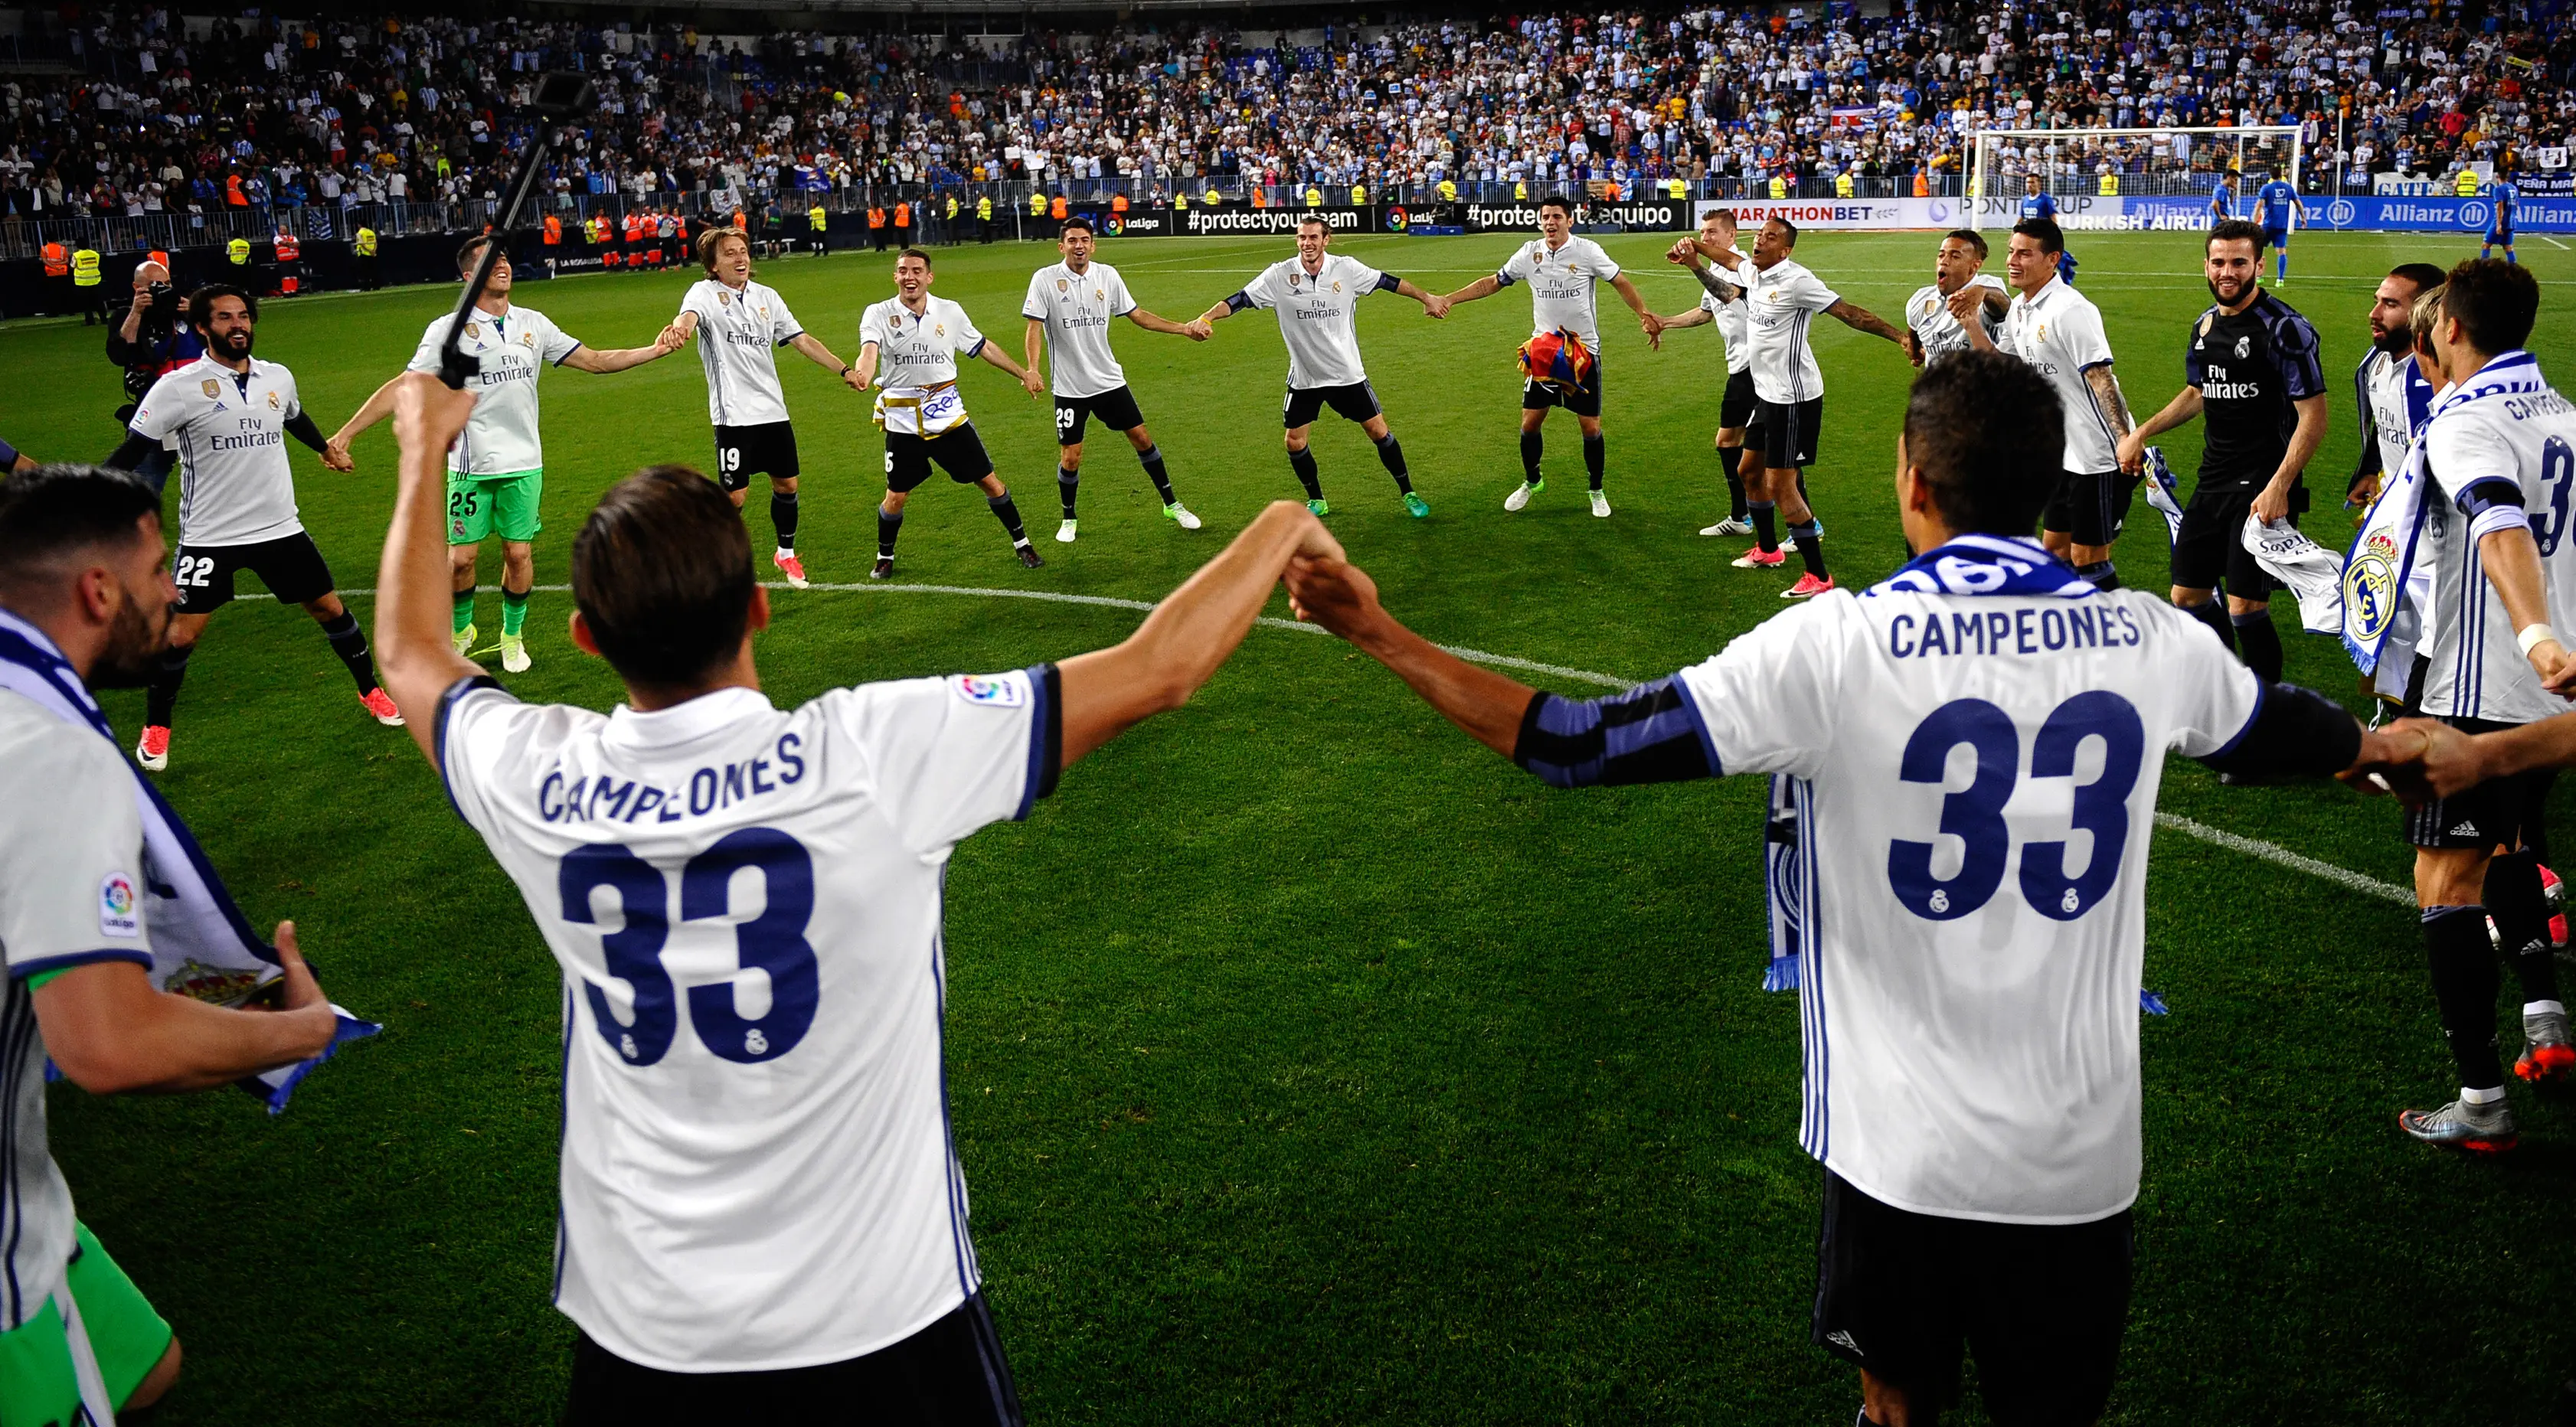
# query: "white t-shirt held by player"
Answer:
x=739 y=334
x=2396 y=390
x=1938 y=329
x=236 y=485
x=2501 y=452
x=2059 y=332
x=71 y=893
x=917 y=363
x=1077 y=308
x=758 y=1171
x=1984 y=771
x=1562 y=285
x=1781 y=302
x=515 y=348
x=1318 y=317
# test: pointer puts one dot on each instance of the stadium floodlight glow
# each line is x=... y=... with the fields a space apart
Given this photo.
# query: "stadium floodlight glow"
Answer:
x=2000 y=160
x=560 y=97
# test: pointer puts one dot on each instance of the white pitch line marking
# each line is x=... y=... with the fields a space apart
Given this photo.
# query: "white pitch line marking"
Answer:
x=2553 y=242
x=2233 y=842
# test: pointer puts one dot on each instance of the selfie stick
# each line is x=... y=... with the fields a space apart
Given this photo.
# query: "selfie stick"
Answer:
x=559 y=97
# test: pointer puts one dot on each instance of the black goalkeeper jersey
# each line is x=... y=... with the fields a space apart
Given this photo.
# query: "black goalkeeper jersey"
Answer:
x=2250 y=368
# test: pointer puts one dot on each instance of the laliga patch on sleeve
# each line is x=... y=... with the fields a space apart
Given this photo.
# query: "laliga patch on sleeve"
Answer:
x=116 y=907
x=998 y=691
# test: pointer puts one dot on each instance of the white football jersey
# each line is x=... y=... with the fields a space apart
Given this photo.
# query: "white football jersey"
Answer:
x=1937 y=329
x=1780 y=303
x=917 y=363
x=1732 y=324
x=515 y=348
x=739 y=334
x=1562 y=283
x=2059 y=332
x=757 y=1171
x=2501 y=452
x=71 y=894
x=236 y=486
x=1983 y=772
x=1318 y=317
x=1077 y=308
x=2399 y=397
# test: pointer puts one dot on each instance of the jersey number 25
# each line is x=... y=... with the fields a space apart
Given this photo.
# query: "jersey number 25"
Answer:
x=774 y=942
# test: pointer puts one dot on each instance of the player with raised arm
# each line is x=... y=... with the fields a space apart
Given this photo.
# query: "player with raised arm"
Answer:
x=908 y=348
x=2503 y=197
x=2389 y=387
x=1934 y=330
x=2498 y=450
x=1969 y=989
x=2251 y=371
x=1317 y=296
x=496 y=476
x=1068 y=307
x=1723 y=305
x=763 y=1212
x=1562 y=272
x=2059 y=332
x=1782 y=298
x=745 y=323
x=2277 y=201
x=230 y=414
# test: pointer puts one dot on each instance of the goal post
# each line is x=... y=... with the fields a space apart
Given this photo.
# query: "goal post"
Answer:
x=2123 y=163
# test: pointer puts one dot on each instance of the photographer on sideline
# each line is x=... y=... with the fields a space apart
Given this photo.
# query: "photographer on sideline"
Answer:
x=151 y=341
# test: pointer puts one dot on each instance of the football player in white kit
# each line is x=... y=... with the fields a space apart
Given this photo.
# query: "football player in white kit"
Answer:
x=1723 y=305
x=1970 y=1004
x=496 y=477
x=764 y=1216
x=2500 y=450
x=1934 y=327
x=745 y=322
x=909 y=345
x=2059 y=332
x=230 y=414
x=1782 y=298
x=1068 y=308
x=2388 y=388
x=1317 y=296
x=1562 y=272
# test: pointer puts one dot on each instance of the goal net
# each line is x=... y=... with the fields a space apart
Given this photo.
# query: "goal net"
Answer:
x=2123 y=163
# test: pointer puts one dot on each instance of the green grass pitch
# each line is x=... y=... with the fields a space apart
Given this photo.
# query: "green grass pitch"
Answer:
x=1310 y=1064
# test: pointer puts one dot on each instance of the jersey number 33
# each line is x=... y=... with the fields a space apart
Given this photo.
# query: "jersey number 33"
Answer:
x=773 y=942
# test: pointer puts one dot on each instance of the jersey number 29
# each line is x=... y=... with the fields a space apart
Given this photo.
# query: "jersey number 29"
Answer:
x=1975 y=814
x=774 y=942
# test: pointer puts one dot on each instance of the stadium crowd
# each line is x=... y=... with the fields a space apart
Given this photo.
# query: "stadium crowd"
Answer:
x=164 y=116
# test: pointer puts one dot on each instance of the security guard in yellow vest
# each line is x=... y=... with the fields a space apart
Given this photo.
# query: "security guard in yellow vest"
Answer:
x=2109 y=187
x=820 y=223
x=1359 y=194
x=1314 y=196
x=1676 y=189
x=1448 y=191
x=984 y=216
x=2468 y=184
x=363 y=248
x=1779 y=186
x=1037 y=204
x=948 y=231
x=1210 y=199
x=85 y=278
x=1180 y=203
x=1520 y=191
x=237 y=252
x=1843 y=184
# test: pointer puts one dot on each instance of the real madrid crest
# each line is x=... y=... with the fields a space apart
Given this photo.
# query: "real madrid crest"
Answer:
x=941 y=330
x=273 y=402
x=2369 y=589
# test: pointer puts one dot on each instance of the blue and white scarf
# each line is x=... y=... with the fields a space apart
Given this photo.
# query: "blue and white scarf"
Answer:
x=2381 y=583
x=1967 y=565
x=201 y=944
